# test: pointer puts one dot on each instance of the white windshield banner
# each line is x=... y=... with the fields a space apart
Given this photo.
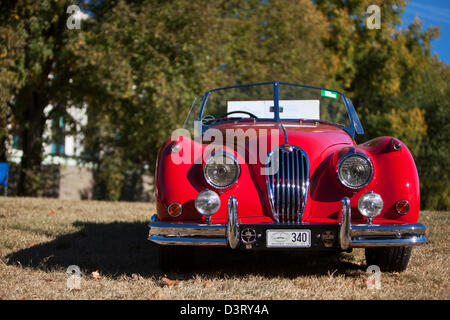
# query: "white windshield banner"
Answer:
x=289 y=109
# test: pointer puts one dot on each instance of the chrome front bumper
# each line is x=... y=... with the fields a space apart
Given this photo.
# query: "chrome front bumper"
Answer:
x=350 y=236
x=364 y=235
x=187 y=234
x=215 y=235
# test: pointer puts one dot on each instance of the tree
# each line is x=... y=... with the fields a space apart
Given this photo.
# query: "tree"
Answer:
x=137 y=66
x=395 y=84
x=375 y=67
x=40 y=63
x=433 y=161
x=149 y=59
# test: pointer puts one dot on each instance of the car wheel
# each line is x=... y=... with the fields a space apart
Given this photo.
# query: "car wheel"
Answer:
x=389 y=259
x=176 y=258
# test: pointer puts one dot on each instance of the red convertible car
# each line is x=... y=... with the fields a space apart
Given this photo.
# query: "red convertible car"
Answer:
x=275 y=166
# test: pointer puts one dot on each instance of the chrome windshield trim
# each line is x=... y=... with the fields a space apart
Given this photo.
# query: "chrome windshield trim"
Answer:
x=355 y=126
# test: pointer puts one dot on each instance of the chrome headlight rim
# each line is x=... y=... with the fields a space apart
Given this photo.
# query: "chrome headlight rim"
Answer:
x=353 y=153
x=223 y=154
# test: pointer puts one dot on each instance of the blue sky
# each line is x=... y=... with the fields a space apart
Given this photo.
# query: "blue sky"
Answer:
x=432 y=13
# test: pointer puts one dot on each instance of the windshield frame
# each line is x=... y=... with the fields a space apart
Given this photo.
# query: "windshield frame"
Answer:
x=354 y=128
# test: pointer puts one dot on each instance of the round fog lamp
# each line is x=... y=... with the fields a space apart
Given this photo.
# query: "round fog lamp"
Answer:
x=207 y=202
x=174 y=209
x=370 y=204
x=402 y=207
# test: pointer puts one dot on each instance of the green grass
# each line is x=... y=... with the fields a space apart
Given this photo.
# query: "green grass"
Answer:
x=40 y=238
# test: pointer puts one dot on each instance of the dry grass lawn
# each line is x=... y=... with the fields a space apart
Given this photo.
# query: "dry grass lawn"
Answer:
x=40 y=238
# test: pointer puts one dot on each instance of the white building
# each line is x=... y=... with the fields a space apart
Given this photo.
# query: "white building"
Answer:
x=64 y=150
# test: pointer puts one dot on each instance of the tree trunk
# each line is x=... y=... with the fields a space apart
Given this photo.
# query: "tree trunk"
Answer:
x=3 y=137
x=3 y=157
x=3 y=134
x=33 y=123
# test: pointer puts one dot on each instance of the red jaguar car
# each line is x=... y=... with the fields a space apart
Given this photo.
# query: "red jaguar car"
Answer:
x=275 y=166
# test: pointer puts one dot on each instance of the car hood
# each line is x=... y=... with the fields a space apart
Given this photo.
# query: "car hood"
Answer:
x=313 y=137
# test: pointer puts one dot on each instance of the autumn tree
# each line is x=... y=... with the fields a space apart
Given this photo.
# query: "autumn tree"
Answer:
x=39 y=62
x=433 y=161
x=387 y=73
x=137 y=65
x=149 y=59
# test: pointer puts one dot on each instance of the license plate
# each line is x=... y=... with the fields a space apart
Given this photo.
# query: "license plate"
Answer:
x=287 y=238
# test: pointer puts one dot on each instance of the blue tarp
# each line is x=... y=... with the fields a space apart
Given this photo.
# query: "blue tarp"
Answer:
x=4 y=168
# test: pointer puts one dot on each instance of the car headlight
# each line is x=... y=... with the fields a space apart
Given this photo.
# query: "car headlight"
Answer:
x=221 y=170
x=370 y=204
x=355 y=170
x=207 y=202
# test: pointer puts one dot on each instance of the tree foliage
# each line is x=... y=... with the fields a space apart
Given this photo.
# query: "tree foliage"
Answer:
x=151 y=59
x=37 y=63
x=395 y=84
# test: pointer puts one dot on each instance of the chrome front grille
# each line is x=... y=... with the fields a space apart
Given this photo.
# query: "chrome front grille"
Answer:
x=288 y=182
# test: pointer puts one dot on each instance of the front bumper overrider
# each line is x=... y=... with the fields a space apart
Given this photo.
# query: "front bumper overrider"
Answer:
x=347 y=235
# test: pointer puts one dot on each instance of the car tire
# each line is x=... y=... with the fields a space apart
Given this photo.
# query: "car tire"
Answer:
x=389 y=259
x=176 y=258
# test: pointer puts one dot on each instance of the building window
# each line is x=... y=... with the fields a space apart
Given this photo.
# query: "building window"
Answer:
x=57 y=146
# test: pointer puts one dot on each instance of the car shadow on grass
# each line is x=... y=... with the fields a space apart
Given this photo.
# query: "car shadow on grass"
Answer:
x=121 y=248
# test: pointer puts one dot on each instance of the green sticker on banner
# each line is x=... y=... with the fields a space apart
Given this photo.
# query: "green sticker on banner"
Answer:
x=328 y=94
